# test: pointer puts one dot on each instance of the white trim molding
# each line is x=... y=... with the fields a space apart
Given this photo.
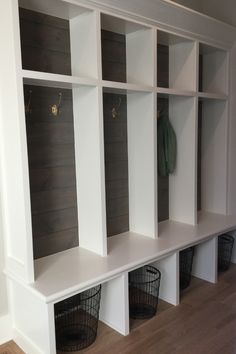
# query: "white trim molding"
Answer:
x=5 y=329
x=169 y=17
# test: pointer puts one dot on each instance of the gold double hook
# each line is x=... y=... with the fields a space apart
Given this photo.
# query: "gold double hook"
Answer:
x=115 y=110
x=55 y=109
x=28 y=109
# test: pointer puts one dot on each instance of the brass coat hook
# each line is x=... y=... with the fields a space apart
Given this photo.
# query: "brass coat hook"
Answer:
x=55 y=109
x=115 y=110
x=28 y=109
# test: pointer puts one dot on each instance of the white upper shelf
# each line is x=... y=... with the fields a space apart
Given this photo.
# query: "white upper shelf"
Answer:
x=121 y=87
x=212 y=95
x=119 y=25
x=55 y=80
x=61 y=9
x=174 y=92
x=62 y=275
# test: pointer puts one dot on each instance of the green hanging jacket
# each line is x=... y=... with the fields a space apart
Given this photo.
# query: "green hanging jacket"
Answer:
x=167 y=146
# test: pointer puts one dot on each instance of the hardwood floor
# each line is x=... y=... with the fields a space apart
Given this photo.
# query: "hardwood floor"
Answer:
x=10 y=348
x=204 y=323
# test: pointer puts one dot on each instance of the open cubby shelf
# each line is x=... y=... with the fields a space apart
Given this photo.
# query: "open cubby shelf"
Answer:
x=212 y=126
x=52 y=38
x=176 y=62
x=126 y=51
x=213 y=70
x=89 y=205
x=176 y=198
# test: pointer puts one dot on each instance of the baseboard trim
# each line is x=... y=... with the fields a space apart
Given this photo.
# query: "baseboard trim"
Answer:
x=25 y=343
x=6 y=333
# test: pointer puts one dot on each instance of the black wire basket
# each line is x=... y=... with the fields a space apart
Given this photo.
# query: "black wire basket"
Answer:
x=225 y=248
x=76 y=320
x=185 y=267
x=144 y=284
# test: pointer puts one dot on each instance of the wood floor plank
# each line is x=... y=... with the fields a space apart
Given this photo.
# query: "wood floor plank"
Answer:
x=10 y=348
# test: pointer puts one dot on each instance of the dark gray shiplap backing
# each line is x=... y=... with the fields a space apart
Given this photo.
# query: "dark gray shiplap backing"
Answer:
x=51 y=154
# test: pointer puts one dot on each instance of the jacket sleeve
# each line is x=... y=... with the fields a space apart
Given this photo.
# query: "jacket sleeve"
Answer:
x=171 y=147
x=162 y=163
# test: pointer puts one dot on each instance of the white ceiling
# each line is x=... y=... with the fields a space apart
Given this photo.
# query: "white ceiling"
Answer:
x=222 y=10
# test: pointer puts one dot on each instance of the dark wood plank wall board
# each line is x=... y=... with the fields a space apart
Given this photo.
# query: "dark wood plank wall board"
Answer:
x=49 y=222
x=56 y=242
x=163 y=105
x=51 y=154
x=66 y=199
x=115 y=135
x=199 y=158
x=162 y=66
x=116 y=164
x=113 y=56
x=200 y=72
x=199 y=151
x=58 y=155
x=45 y=43
x=163 y=181
x=50 y=177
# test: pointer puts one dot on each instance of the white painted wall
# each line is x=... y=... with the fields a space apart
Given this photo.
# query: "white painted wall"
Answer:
x=192 y=4
x=3 y=289
x=4 y=315
x=166 y=12
x=222 y=10
x=5 y=324
x=232 y=139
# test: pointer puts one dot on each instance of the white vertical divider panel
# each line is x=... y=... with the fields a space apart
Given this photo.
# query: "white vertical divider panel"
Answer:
x=155 y=55
x=169 y=285
x=182 y=65
x=141 y=108
x=84 y=44
x=90 y=175
x=140 y=56
x=196 y=133
x=182 y=183
x=13 y=145
x=196 y=73
x=114 y=310
x=205 y=261
x=99 y=48
x=214 y=75
x=214 y=156
x=155 y=37
x=33 y=321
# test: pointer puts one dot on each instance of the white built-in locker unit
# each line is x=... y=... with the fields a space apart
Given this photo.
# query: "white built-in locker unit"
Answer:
x=36 y=285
